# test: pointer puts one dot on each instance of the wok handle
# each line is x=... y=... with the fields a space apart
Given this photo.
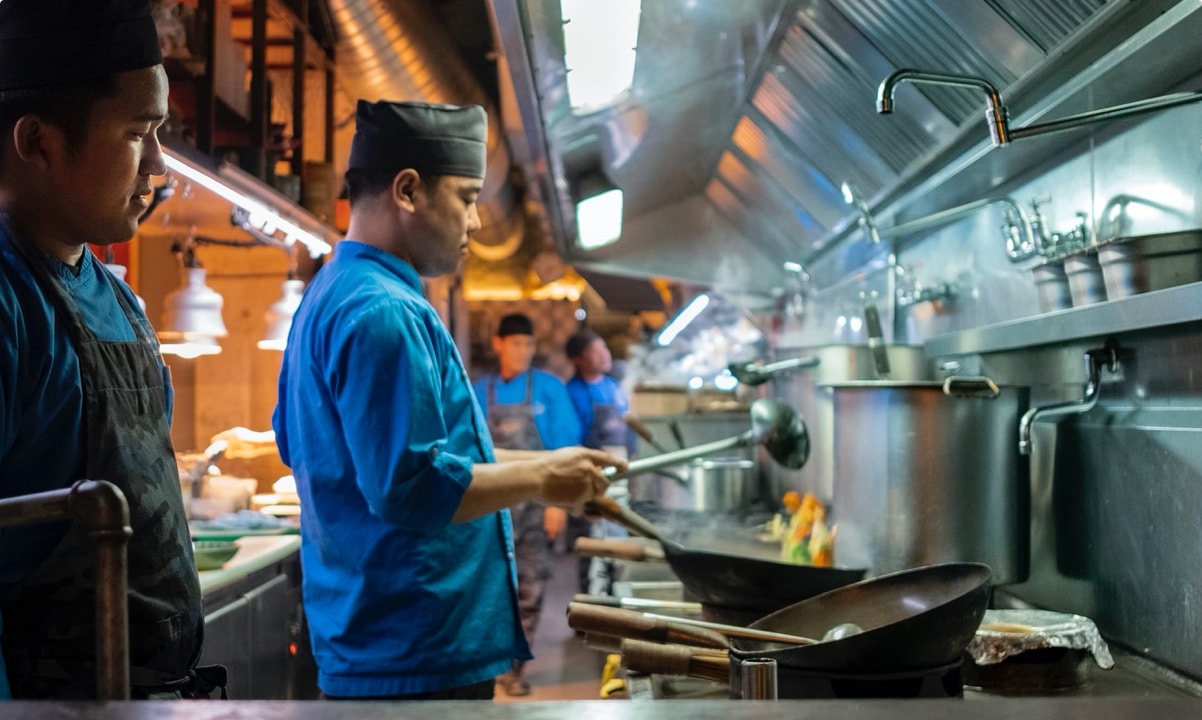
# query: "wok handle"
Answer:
x=648 y=657
x=676 y=456
x=641 y=430
x=602 y=620
x=618 y=550
x=634 y=603
x=609 y=509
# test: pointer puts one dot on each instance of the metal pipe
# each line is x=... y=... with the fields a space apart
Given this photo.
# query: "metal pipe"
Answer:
x=1137 y=107
x=102 y=507
x=995 y=114
x=954 y=213
x=1094 y=361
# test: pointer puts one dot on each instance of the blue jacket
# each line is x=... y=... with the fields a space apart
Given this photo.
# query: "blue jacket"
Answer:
x=377 y=419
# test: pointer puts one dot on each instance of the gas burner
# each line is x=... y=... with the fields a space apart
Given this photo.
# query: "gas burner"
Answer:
x=795 y=684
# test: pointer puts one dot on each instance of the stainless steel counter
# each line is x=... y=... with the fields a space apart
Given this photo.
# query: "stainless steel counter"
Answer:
x=1158 y=708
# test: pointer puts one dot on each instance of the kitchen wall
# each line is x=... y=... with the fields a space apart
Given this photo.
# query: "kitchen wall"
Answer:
x=1115 y=493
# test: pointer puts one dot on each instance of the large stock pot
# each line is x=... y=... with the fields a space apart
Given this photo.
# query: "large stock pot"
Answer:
x=929 y=472
x=808 y=391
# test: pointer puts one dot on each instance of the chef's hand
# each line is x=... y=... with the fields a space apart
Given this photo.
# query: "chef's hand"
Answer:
x=571 y=477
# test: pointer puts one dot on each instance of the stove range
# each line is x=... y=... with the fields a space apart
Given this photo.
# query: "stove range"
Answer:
x=797 y=684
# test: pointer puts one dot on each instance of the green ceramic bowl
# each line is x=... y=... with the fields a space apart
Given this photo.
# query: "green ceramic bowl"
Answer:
x=212 y=554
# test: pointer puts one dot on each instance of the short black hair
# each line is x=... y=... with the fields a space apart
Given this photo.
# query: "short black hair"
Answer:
x=515 y=324
x=365 y=183
x=579 y=342
x=68 y=107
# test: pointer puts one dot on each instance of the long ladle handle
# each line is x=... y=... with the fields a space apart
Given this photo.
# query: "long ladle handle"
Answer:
x=637 y=467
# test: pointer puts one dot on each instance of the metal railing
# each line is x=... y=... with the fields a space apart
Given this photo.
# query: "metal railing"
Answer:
x=101 y=506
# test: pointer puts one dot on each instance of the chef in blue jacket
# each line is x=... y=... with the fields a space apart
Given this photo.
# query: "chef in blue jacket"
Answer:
x=407 y=551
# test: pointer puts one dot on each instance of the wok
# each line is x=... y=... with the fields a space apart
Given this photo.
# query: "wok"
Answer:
x=731 y=588
x=911 y=620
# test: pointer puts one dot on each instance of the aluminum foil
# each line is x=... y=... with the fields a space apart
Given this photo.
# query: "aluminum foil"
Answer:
x=1004 y=633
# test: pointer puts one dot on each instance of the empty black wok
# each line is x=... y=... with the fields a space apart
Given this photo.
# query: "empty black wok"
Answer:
x=912 y=620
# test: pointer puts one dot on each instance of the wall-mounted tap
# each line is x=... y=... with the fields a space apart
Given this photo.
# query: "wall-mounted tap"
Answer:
x=998 y=117
x=852 y=197
x=995 y=114
x=1095 y=360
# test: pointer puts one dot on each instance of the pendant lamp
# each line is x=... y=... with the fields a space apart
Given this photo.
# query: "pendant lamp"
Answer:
x=192 y=317
x=279 y=315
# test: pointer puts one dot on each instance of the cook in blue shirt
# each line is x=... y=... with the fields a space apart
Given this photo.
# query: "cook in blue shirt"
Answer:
x=407 y=554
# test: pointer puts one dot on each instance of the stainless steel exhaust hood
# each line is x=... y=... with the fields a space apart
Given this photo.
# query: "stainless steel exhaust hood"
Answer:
x=745 y=118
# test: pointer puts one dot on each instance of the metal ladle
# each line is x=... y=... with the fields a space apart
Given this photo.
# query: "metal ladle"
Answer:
x=757 y=373
x=776 y=426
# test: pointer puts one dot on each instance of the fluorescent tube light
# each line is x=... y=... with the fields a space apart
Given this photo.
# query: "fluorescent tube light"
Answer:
x=682 y=320
x=599 y=220
x=599 y=40
x=262 y=216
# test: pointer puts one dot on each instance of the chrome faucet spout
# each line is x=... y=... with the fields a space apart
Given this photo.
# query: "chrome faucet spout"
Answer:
x=995 y=114
x=1095 y=360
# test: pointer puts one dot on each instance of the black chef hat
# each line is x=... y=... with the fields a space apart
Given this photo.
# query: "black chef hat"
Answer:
x=579 y=342
x=515 y=324
x=431 y=138
x=44 y=43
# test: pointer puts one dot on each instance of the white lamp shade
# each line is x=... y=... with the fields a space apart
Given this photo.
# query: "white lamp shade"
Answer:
x=192 y=312
x=279 y=316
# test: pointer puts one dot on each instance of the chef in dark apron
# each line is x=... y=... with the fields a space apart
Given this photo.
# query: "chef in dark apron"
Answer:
x=527 y=409
x=84 y=391
x=602 y=406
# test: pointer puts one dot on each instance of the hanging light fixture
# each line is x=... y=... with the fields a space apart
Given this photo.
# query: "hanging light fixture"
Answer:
x=279 y=315
x=192 y=314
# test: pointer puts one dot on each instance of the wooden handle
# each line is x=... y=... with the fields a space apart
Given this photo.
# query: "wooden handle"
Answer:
x=619 y=549
x=629 y=624
x=641 y=604
x=609 y=509
x=647 y=657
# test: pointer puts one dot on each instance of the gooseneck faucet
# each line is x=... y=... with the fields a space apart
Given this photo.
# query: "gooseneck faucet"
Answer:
x=1095 y=360
x=998 y=117
x=995 y=114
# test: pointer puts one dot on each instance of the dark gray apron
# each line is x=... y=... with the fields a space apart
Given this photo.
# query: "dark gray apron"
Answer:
x=49 y=638
x=608 y=428
x=512 y=425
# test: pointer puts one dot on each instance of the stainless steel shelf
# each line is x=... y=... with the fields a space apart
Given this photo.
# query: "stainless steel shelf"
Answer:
x=1162 y=308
